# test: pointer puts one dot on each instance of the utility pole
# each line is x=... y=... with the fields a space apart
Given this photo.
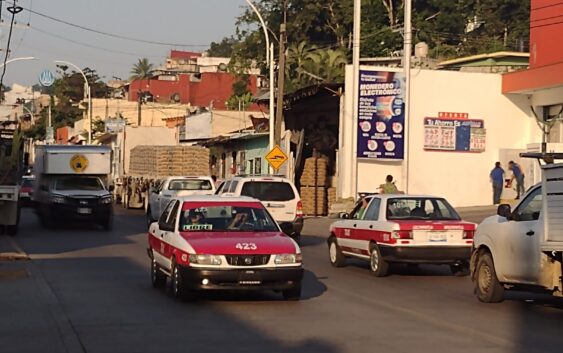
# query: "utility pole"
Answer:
x=139 y=98
x=281 y=77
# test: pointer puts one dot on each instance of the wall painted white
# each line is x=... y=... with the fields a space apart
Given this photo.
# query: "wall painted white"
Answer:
x=462 y=178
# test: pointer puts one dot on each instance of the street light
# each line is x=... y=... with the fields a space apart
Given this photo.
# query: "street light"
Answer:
x=269 y=62
x=18 y=59
x=86 y=91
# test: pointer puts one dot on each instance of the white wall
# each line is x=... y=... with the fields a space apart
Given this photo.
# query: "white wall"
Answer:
x=462 y=178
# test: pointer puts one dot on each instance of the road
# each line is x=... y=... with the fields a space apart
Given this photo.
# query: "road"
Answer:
x=86 y=290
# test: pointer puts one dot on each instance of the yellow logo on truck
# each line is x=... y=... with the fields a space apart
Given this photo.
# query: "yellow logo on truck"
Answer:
x=79 y=163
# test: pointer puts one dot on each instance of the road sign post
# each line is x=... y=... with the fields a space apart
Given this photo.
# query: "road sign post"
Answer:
x=276 y=158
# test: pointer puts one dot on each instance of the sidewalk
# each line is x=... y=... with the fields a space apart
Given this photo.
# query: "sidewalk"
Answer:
x=31 y=319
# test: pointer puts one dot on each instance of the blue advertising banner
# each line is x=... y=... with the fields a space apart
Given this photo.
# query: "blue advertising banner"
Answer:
x=381 y=115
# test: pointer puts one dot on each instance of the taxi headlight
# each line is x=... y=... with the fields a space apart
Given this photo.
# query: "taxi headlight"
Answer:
x=285 y=259
x=105 y=200
x=214 y=260
x=57 y=199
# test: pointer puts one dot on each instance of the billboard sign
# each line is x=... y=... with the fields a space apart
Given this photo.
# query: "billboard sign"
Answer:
x=381 y=115
x=454 y=133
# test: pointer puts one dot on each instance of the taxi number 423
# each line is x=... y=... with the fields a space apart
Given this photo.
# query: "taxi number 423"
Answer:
x=246 y=246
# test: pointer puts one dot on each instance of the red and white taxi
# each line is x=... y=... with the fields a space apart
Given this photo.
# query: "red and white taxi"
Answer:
x=384 y=229
x=213 y=242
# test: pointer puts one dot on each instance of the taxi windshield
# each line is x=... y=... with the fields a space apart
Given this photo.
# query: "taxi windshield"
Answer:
x=226 y=219
x=420 y=208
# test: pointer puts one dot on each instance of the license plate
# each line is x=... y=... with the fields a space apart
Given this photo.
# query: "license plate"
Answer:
x=84 y=211
x=249 y=277
x=437 y=236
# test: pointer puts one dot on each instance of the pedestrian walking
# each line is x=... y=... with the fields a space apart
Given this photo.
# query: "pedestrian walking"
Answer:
x=519 y=176
x=497 y=179
x=389 y=187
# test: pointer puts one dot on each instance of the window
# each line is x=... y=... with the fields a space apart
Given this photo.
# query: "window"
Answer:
x=189 y=184
x=530 y=208
x=360 y=209
x=413 y=208
x=242 y=163
x=372 y=213
x=225 y=187
x=79 y=183
x=173 y=217
x=233 y=187
x=268 y=190
x=258 y=166
x=251 y=166
x=226 y=218
x=164 y=216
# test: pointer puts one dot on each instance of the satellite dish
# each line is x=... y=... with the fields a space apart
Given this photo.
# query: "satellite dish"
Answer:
x=222 y=67
x=175 y=98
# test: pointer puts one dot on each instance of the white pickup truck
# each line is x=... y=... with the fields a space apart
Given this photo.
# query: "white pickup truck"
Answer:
x=174 y=187
x=521 y=249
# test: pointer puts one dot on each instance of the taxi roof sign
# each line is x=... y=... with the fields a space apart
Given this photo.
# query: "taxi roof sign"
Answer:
x=276 y=157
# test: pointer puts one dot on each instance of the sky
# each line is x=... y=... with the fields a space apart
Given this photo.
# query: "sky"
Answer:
x=188 y=22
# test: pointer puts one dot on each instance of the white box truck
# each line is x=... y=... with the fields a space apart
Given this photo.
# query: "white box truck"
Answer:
x=11 y=167
x=72 y=185
x=521 y=248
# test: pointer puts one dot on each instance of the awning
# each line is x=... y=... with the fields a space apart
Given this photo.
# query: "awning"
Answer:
x=530 y=80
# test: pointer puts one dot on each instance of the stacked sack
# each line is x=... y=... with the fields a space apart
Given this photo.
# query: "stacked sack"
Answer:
x=313 y=186
x=163 y=161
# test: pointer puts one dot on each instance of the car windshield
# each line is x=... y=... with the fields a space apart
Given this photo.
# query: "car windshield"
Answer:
x=420 y=208
x=27 y=183
x=226 y=219
x=79 y=183
x=189 y=184
x=268 y=190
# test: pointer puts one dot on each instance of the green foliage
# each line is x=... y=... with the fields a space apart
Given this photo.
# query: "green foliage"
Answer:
x=443 y=24
x=67 y=100
x=141 y=70
x=223 y=49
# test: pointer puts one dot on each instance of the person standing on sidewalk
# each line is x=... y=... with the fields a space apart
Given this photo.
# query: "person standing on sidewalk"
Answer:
x=497 y=178
x=519 y=176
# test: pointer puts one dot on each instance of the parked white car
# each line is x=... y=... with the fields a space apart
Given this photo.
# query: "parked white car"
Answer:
x=521 y=249
x=279 y=195
x=174 y=187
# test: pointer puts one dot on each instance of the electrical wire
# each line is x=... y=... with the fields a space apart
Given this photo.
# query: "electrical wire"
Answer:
x=108 y=34
x=547 y=6
x=546 y=24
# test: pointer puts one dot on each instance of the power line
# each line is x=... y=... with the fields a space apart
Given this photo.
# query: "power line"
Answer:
x=546 y=24
x=14 y=9
x=113 y=35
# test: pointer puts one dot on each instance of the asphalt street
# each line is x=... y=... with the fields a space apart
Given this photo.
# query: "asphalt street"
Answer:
x=85 y=290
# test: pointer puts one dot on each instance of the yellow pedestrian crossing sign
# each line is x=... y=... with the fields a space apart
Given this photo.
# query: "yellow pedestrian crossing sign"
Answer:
x=276 y=157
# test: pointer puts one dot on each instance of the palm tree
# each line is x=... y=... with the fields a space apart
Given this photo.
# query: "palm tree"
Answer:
x=141 y=70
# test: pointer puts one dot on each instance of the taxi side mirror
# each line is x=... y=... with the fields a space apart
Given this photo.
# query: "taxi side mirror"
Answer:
x=505 y=211
x=344 y=215
x=287 y=228
x=111 y=188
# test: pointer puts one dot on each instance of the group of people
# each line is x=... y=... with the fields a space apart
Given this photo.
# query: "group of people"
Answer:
x=497 y=176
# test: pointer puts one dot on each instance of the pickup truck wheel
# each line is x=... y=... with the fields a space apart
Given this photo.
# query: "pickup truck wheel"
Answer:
x=337 y=259
x=178 y=289
x=158 y=278
x=487 y=286
x=12 y=230
x=377 y=265
x=292 y=294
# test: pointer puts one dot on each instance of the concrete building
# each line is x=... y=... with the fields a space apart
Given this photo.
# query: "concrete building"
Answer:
x=507 y=127
x=499 y=62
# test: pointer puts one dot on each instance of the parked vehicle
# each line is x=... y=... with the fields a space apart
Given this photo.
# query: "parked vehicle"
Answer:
x=218 y=243
x=71 y=185
x=279 y=195
x=173 y=187
x=521 y=249
x=26 y=190
x=404 y=229
x=11 y=168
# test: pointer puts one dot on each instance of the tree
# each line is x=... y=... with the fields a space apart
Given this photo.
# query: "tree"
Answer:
x=141 y=70
x=223 y=49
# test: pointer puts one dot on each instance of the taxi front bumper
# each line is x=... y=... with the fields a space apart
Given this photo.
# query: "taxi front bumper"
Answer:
x=243 y=279
x=426 y=254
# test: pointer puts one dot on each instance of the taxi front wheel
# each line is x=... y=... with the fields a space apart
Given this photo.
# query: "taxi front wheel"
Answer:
x=178 y=288
x=337 y=259
x=377 y=265
x=158 y=278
